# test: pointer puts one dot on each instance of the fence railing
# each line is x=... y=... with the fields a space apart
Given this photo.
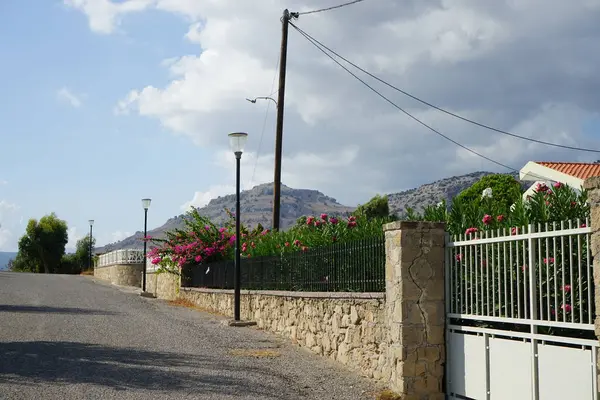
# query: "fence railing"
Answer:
x=540 y=275
x=127 y=256
x=357 y=266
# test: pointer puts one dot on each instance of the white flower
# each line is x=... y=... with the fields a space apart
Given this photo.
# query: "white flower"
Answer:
x=512 y=207
x=487 y=193
x=440 y=204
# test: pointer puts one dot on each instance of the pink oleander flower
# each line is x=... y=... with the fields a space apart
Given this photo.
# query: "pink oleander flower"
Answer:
x=470 y=231
x=500 y=218
x=304 y=248
x=287 y=244
x=567 y=288
x=310 y=220
x=198 y=258
x=296 y=242
x=324 y=217
x=351 y=224
x=514 y=231
x=351 y=218
x=221 y=230
x=566 y=308
x=557 y=185
x=487 y=219
x=548 y=260
x=583 y=225
x=541 y=187
x=156 y=260
x=206 y=227
x=317 y=223
x=333 y=220
x=458 y=257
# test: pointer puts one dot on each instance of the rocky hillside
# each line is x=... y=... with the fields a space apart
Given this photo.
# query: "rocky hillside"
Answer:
x=256 y=205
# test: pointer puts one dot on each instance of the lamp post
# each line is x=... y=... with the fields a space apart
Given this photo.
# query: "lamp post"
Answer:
x=237 y=141
x=146 y=206
x=91 y=221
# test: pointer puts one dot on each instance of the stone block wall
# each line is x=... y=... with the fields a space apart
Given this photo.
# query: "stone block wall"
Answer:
x=121 y=274
x=346 y=327
x=592 y=185
x=163 y=285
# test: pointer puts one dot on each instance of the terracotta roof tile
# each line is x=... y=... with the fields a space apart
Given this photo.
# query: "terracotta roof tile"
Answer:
x=577 y=170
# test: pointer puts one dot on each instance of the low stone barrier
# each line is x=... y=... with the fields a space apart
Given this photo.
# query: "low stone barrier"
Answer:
x=162 y=285
x=121 y=274
x=346 y=327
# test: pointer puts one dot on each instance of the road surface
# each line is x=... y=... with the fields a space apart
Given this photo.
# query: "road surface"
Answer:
x=71 y=337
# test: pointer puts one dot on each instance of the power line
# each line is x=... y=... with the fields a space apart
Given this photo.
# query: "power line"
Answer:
x=400 y=108
x=308 y=36
x=330 y=8
x=265 y=122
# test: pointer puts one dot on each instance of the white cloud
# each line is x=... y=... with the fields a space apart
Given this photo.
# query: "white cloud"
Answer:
x=69 y=97
x=119 y=235
x=8 y=225
x=73 y=238
x=104 y=15
x=526 y=66
x=3 y=182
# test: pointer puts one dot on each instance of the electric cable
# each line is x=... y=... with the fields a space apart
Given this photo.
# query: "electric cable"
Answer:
x=330 y=8
x=309 y=37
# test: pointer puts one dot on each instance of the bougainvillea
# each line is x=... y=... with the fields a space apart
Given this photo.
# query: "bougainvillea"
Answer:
x=203 y=242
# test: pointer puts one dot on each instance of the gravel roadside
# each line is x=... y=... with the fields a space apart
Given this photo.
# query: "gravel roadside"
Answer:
x=71 y=337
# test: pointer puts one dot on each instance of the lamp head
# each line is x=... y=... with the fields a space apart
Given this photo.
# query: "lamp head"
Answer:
x=146 y=203
x=237 y=141
x=91 y=221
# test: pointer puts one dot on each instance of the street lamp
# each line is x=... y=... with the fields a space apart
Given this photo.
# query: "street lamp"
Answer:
x=91 y=221
x=262 y=98
x=237 y=141
x=146 y=205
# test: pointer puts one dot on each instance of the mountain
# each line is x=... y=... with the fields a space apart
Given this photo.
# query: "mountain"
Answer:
x=256 y=205
x=6 y=256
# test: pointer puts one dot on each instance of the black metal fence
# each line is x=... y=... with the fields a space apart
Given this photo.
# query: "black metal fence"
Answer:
x=357 y=266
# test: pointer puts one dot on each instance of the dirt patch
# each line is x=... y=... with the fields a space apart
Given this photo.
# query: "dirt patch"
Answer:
x=89 y=272
x=255 y=353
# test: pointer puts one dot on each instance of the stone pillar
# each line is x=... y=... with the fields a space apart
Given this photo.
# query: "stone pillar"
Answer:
x=415 y=312
x=592 y=185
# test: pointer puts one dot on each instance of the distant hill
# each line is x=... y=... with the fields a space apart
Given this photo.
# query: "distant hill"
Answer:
x=5 y=257
x=256 y=205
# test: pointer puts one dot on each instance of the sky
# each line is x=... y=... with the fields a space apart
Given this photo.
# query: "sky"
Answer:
x=106 y=102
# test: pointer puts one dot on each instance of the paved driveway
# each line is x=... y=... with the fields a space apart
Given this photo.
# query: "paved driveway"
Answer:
x=68 y=337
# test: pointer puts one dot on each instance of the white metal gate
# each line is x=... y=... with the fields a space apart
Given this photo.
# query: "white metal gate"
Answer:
x=520 y=314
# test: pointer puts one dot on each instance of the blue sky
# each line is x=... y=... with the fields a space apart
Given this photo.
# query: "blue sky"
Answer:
x=104 y=102
x=85 y=162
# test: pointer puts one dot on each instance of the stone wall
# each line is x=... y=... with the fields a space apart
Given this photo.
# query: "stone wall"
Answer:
x=592 y=185
x=121 y=274
x=346 y=327
x=163 y=285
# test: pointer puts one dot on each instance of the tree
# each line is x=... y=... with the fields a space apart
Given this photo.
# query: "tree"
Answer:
x=82 y=252
x=505 y=191
x=377 y=207
x=43 y=245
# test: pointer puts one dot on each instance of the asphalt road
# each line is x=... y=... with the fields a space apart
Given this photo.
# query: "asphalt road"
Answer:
x=70 y=337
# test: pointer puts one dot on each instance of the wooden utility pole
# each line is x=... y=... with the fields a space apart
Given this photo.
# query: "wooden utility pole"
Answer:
x=280 y=107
